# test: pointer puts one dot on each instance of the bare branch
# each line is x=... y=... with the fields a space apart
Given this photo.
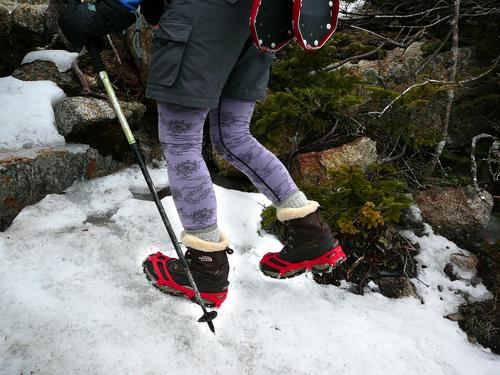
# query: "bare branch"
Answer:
x=117 y=55
x=494 y=157
x=439 y=20
x=332 y=67
x=407 y=90
x=451 y=91
x=391 y=16
x=434 y=54
x=81 y=77
x=395 y=157
x=51 y=44
x=473 y=159
x=388 y=40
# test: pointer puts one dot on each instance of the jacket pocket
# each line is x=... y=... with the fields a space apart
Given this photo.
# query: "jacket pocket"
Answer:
x=169 y=44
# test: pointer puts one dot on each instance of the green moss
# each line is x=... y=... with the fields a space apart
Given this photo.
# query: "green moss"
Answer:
x=356 y=203
x=357 y=48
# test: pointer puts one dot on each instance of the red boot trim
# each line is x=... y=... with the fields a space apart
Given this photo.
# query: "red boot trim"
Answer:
x=160 y=259
x=332 y=258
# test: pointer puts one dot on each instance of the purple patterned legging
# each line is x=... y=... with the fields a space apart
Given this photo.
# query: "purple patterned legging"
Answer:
x=181 y=135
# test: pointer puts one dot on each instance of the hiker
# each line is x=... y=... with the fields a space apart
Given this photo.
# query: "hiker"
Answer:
x=205 y=64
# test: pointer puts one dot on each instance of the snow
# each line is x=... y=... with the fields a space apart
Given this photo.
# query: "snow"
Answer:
x=61 y=58
x=73 y=300
x=353 y=6
x=27 y=115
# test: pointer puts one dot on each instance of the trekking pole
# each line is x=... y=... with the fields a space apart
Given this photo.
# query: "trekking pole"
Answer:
x=208 y=316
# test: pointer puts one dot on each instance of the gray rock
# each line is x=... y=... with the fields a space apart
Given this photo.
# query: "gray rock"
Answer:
x=457 y=213
x=9 y=4
x=77 y=114
x=397 y=67
x=5 y=21
x=34 y=2
x=150 y=148
x=30 y=18
x=455 y=317
x=396 y=287
x=449 y=271
x=466 y=262
x=27 y=175
x=400 y=64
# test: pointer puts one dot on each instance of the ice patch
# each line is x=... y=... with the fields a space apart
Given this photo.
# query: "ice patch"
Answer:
x=61 y=58
x=27 y=115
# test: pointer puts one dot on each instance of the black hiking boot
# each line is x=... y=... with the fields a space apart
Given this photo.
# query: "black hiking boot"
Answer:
x=210 y=271
x=310 y=245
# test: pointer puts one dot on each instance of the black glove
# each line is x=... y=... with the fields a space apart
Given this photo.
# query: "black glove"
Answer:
x=82 y=23
x=152 y=10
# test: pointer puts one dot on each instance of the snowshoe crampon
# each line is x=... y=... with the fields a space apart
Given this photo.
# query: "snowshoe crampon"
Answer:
x=156 y=270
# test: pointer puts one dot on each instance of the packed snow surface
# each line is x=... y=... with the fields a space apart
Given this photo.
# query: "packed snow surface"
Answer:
x=27 y=115
x=74 y=300
x=61 y=58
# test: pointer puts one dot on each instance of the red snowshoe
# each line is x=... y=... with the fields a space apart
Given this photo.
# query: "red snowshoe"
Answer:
x=310 y=246
x=210 y=272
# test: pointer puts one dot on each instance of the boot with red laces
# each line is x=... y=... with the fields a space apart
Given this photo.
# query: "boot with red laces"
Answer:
x=310 y=245
x=207 y=262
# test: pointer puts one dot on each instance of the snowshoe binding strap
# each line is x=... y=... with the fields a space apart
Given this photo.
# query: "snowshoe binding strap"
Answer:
x=314 y=22
x=271 y=24
x=283 y=269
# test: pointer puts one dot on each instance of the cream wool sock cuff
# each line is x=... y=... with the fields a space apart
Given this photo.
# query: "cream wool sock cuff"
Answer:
x=194 y=242
x=284 y=214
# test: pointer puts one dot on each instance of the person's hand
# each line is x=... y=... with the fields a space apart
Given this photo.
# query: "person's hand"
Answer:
x=152 y=10
x=83 y=23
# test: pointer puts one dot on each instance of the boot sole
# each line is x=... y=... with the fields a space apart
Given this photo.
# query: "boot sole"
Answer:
x=317 y=269
x=173 y=292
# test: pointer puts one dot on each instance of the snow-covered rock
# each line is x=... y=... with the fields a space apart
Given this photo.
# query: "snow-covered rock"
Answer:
x=27 y=117
x=352 y=6
x=62 y=59
x=27 y=175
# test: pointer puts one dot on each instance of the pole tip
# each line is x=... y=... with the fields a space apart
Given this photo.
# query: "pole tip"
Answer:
x=207 y=318
x=212 y=328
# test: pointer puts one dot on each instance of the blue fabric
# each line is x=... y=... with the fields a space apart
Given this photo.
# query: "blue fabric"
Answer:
x=130 y=4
